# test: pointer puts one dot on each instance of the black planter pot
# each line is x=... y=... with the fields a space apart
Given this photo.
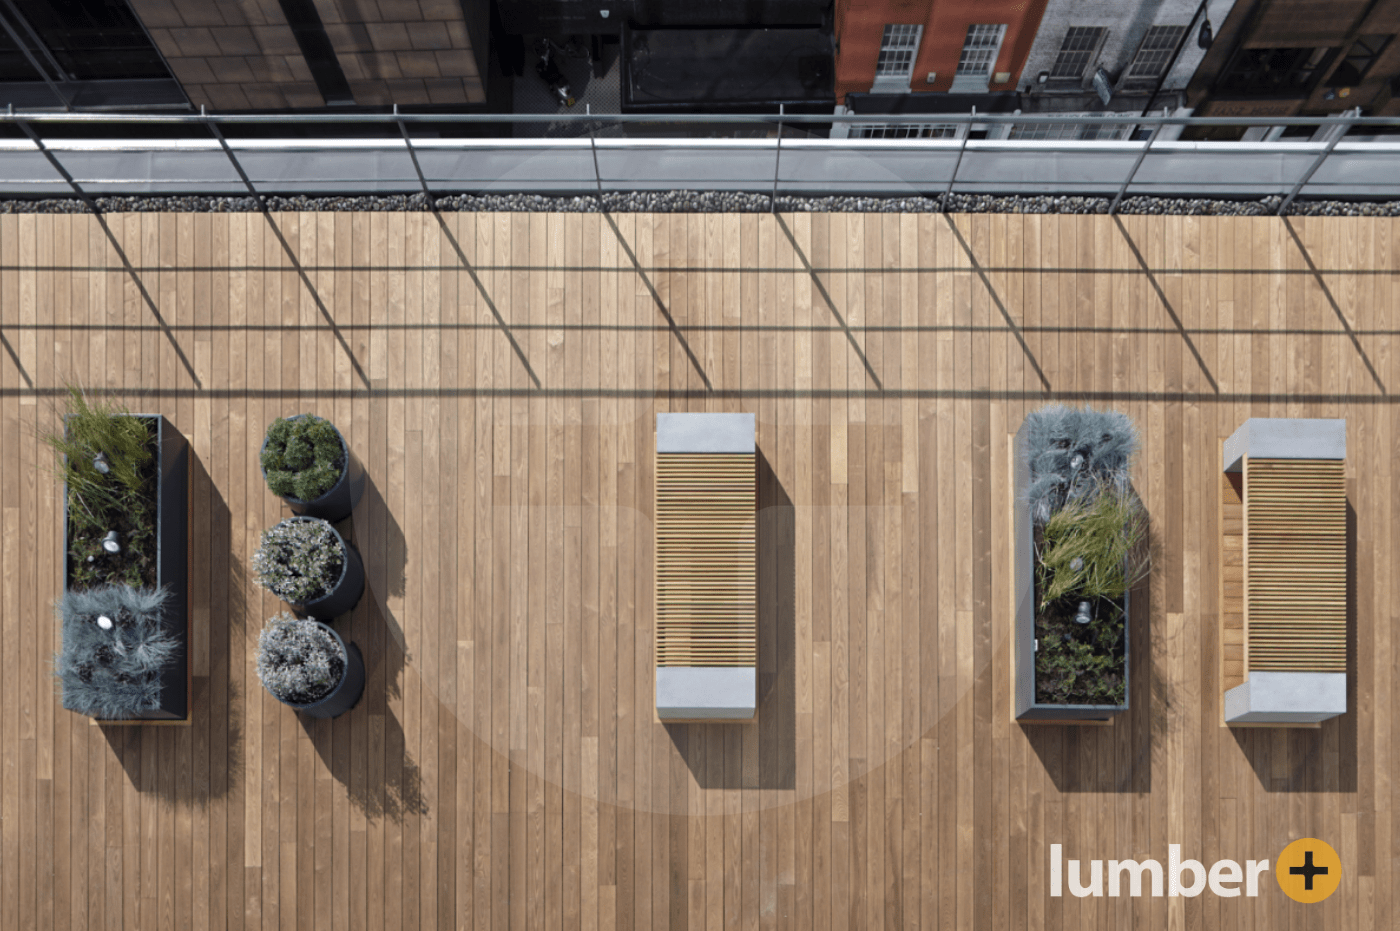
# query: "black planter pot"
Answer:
x=346 y=592
x=172 y=507
x=347 y=692
x=337 y=503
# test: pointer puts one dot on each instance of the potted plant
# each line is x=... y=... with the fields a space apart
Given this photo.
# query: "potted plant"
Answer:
x=308 y=564
x=305 y=664
x=1080 y=547
x=124 y=541
x=307 y=463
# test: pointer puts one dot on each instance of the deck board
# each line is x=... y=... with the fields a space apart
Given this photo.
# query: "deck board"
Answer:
x=504 y=769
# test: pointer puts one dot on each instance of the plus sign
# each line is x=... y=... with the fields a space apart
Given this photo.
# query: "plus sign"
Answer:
x=1307 y=870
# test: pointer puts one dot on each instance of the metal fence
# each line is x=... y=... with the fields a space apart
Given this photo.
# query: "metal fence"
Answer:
x=101 y=154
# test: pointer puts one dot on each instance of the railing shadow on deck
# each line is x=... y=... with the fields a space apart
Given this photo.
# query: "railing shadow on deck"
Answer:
x=714 y=752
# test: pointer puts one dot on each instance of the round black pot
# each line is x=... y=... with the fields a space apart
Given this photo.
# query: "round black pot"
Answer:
x=346 y=592
x=337 y=503
x=346 y=693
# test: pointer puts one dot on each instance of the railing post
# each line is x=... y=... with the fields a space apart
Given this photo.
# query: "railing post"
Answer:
x=777 y=158
x=967 y=133
x=1343 y=125
x=1113 y=208
x=403 y=131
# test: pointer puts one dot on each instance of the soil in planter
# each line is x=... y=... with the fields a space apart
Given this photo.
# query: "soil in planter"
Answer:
x=135 y=524
x=1080 y=664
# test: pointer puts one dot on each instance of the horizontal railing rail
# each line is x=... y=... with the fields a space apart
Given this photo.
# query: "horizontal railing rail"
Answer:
x=57 y=153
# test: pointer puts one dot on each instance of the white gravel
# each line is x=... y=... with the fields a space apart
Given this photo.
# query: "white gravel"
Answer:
x=712 y=202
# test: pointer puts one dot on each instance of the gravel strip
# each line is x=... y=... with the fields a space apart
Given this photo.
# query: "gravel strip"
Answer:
x=714 y=202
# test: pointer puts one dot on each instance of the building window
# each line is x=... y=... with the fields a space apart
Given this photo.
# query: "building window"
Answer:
x=1079 y=132
x=1274 y=72
x=979 y=54
x=84 y=40
x=14 y=64
x=898 y=46
x=1155 y=52
x=904 y=131
x=1077 y=51
x=979 y=50
x=1359 y=60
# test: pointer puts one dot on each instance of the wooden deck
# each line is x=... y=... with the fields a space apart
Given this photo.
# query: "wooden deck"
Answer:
x=498 y=375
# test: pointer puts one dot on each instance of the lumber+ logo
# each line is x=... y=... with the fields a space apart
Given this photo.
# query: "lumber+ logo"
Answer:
x=1309 y=870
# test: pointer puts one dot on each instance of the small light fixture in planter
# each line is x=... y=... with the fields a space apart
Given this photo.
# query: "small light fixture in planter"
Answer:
x=308 y=564
x=100 y=463
x=306 y=461
x=306 y=665
x=110 y=543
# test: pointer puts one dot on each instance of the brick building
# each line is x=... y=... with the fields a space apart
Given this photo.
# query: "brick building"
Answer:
x=1142 y=54
x=930 y=46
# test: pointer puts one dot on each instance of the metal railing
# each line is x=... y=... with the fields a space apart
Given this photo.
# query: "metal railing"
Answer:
x=1323 y=165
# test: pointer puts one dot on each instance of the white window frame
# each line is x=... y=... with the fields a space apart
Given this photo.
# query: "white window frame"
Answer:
x=976 y=79
x=897 y=39
x=1077 y=34
x=1131 y=74
x=904 y=130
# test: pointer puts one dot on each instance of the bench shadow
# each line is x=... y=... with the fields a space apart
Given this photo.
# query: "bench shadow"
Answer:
x=1117 y=757
x=1300 y=759
x=715 y=753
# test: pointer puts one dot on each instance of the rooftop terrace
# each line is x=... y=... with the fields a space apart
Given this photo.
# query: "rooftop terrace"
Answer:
x=498 y=375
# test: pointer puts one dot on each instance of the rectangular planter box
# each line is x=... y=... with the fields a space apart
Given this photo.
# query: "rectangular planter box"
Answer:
x=1027 y=709
x=172 y=509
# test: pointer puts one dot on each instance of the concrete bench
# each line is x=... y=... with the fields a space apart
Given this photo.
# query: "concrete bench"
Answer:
x=1284 y=572
x=706 y=540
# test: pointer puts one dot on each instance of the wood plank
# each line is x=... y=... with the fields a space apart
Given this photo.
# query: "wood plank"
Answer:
x=503 y=769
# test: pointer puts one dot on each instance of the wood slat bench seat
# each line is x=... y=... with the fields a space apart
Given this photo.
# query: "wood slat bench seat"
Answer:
x=1285 y=621
x=706 y=558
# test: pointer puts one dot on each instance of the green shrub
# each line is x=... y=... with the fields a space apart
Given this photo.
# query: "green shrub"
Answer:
x=122 y=500
x=303 y=457
x=299 y=661
x=1094 y=547
x=1080 y=664
x=113 y=673
x=299 y=560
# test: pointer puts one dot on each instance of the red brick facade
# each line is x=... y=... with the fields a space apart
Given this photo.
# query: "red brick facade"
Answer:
x=860 y=25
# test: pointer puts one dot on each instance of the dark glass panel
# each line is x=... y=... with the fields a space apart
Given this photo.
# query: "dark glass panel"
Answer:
x=93 y=39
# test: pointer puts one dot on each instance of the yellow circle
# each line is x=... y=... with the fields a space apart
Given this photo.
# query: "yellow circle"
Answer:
x=1308 y=870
